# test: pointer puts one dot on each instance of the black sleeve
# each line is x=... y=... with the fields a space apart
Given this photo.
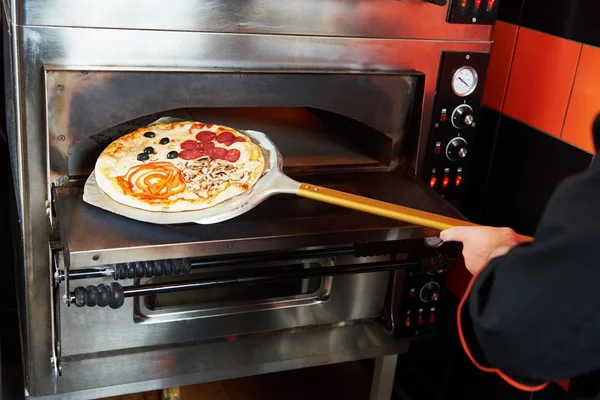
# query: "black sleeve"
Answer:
x=533 y=315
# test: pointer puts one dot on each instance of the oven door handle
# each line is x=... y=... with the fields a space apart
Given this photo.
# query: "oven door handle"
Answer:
x=113 y=295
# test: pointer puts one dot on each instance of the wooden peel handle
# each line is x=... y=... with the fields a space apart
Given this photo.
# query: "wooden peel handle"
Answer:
x=388 y=210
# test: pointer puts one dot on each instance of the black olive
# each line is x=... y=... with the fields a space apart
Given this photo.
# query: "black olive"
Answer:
x=143 y=156
x=172 y=154
x=164 y=140
x=149 y=134
x=149 y=150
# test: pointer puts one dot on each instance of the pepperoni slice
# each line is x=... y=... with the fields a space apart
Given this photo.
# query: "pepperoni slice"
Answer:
x=192 y=154
x=235 y=140
x=190 y=145
x=217 y=153
x=226 y=137
x=205 y=145
x=233 y=155
x=206 y=136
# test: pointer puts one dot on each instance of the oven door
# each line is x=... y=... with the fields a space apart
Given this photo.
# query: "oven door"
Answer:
x=225 y=310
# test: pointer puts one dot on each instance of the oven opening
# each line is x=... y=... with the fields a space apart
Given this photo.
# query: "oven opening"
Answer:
x=308 y=139
x=236 y=299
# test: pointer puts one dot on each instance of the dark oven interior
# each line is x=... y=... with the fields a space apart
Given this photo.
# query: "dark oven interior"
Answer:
x=310 y=140
x=320 y=121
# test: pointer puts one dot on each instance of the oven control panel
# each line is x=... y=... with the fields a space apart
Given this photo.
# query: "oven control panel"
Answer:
x=483 y=12
x=455 y=123
x=419 y=291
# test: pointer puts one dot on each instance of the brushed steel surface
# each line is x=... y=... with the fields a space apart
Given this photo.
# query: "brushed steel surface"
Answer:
x=95 y=237
x=383 y=377
x=79 y=336
x=342 y=35
x=212 y=303
x=171 y=314
x=361 y=18
x=124 y=372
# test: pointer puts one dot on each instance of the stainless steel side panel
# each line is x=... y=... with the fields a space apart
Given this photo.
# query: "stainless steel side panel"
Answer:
x=359 y=18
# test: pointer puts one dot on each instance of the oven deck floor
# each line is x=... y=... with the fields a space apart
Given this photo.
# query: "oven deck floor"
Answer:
x=93 y=237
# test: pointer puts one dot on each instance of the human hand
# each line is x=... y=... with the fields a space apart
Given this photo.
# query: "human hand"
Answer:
x=481 y=243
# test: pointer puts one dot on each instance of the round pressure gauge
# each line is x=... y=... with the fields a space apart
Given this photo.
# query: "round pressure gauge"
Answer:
x=464 y=81
x=433 y=242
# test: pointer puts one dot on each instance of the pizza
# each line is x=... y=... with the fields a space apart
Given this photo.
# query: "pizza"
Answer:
x=180 y=166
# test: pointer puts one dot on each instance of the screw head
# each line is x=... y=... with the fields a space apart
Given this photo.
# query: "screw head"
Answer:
x=467 y=56
x=437 y=125
x=61 y=138
x=60 y=88
x=96 y=257
x=474 y=20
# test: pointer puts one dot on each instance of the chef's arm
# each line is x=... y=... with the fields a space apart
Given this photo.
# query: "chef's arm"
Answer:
x=531 y=314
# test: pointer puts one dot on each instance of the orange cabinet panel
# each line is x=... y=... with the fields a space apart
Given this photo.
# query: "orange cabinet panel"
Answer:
x=541 y=79
x=585 y=101
x=505 y=37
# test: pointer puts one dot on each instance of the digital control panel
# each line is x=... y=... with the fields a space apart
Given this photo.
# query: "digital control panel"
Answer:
x=455 y=120
x=484 y=12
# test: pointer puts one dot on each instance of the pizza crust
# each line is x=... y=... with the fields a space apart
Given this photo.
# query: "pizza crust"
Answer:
x=120 y=157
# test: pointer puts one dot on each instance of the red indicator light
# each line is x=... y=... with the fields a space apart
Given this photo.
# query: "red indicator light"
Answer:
x=433 y=181
x=443 y=117
x=412 y=293
x=420 y=319
x=491 y=4
x=432 y=318
x=458 y=180
x=477 y=3
x=464 y=3
x=407 y=323
x=445 y=181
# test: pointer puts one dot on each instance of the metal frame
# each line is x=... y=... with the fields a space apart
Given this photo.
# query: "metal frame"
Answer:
x=383 y=377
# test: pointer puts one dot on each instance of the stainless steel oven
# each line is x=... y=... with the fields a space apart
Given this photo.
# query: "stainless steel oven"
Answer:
x=361 y=96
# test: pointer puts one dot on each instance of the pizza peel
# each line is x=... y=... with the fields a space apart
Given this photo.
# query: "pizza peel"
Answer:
x=273 y=182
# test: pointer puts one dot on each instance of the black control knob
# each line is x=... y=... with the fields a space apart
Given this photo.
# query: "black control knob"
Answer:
x=430 y=292
x=456 y=149
x=436 y=264
x=462 y=117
